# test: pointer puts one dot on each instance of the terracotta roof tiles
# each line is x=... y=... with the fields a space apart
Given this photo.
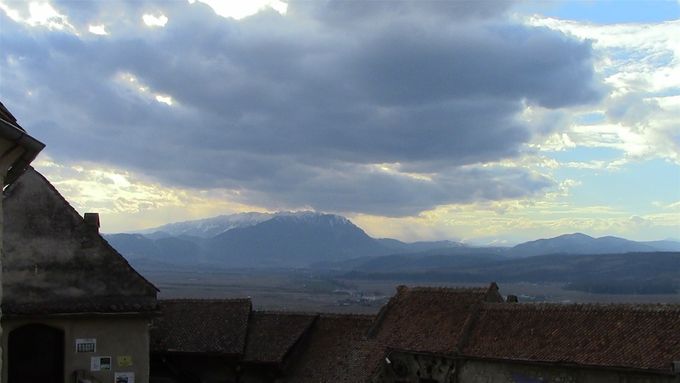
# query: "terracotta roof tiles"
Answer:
x=627 y=336
x=272 y=335
x=82 y=305
x=207 y=326
x=429 y=319
x=337 y=350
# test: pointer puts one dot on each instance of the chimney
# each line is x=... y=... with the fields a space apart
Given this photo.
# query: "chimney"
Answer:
x=92 y=221
x=511 y=298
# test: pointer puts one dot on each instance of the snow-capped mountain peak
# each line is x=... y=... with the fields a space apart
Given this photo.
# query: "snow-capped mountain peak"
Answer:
x=308 y=216
x=210 y=227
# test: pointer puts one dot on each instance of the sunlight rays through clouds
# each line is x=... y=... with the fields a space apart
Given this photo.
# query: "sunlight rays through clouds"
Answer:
x=479 y=121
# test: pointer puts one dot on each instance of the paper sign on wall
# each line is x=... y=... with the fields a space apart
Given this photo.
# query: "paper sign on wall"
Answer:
x=124 y=377
x=100 y=363
x=86 y=345
x=124 y=360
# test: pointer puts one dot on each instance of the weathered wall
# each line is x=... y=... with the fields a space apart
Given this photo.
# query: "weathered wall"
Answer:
x=116 y=336
x=257 y=374
x=490 y=372
x=415 y=368
x=202 y=368
x=51 y=254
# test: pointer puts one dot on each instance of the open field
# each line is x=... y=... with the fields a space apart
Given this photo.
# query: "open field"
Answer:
x=303 y=290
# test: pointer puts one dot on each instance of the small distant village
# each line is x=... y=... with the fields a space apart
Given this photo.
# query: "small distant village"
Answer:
x=74 y=310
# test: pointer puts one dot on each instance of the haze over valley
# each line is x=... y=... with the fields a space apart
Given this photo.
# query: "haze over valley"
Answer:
x=329 y=252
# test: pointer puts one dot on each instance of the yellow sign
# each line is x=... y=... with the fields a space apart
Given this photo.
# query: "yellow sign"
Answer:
x=124 y=360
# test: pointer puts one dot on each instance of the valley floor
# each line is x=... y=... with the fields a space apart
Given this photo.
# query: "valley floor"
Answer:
x=311 y=291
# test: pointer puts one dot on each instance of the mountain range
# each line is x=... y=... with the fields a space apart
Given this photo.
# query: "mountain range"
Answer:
x=311 y=239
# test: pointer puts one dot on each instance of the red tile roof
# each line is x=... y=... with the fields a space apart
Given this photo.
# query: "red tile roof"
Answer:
x=272 y=335
x=89 y=305
x=628 y=336
x=429 y=319
x=336 y=351
x=208 y=326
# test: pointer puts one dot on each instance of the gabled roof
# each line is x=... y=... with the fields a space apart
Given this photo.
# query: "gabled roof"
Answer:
x=627 y=336
x=6 y=115
x=336 y=350
x=272 y=335
x=54 y=263
x=430 y=319
x=18 y=147
x=205 y=326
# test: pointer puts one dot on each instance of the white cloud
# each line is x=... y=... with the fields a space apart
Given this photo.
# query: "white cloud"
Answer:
x=239 y=9
x=155 y=21
x=513 y=221
x=39 y=13
x=131 y=83
x=126 y=201
x=98 y=30
x=641 y=64
x=164 y=99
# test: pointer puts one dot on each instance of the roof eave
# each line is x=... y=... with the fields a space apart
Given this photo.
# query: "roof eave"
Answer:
x=31 y=146
x=568 y=364
x=127 y=314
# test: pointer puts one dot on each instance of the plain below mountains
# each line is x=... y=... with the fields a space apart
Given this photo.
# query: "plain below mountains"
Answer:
x=327 y=241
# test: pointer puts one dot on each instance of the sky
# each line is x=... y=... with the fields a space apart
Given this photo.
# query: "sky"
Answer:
x=487 y=122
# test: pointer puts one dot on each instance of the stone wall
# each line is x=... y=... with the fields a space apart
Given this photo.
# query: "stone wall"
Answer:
x=415 y=368
x=177 y=368
x=497 y=372
x=419 y=368
x=126 y=337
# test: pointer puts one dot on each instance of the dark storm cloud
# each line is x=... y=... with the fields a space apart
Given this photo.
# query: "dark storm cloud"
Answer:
x=293 y=110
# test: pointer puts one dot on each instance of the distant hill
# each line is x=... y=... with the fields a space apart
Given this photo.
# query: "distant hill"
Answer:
x=310 y=239
x=578 y=243
x=399 y=246
x=629 y=273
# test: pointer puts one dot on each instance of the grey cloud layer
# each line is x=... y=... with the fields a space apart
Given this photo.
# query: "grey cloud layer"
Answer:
x=292 y=110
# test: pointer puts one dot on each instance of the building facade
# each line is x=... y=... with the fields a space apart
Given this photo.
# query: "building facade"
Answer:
x=17 y=150
x=74 y=309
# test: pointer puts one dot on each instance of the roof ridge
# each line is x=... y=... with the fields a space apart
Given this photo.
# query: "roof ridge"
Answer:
x=4 y=112
x=277 y=312
x=446 y=289
x=203 y=300
x=553 y=306
x=347 y=315
x=73 y=210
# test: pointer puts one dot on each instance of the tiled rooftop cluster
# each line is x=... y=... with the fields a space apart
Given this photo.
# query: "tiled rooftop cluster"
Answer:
x=201 y=326
x=452 y=322
x=272 y=335
x=629 y=336
x=300 y=343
